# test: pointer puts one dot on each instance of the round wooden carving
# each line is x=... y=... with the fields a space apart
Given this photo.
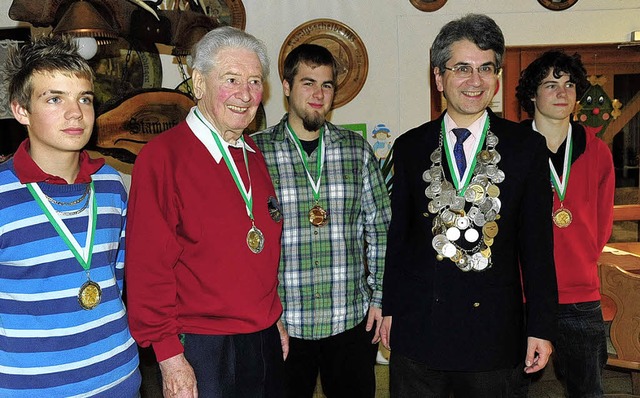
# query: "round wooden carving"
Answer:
x=345 y=45
x=557 y=5
x=428 y=5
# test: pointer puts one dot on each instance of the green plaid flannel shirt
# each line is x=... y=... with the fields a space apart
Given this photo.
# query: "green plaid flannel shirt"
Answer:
x=325 y=286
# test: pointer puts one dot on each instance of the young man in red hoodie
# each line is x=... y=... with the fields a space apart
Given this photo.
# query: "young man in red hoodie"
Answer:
x=582 y=177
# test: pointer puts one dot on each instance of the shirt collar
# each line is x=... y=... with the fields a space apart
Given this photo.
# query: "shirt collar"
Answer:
x=29 y=172
x=202 y=129
x=475 y=128
x=535 y=128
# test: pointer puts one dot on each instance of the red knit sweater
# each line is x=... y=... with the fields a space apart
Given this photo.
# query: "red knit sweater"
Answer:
x=589 y=197
x=188 y=267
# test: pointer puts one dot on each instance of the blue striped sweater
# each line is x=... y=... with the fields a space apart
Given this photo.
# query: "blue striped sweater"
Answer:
x=49 y=345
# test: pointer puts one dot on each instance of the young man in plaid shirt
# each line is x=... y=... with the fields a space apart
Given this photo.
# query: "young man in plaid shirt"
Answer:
x=336 y=212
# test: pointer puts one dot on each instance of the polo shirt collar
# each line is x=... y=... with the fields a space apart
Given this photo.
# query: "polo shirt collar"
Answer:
x=29 y=172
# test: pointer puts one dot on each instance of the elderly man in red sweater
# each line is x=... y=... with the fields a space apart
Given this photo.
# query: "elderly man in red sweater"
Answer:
x=204 y=236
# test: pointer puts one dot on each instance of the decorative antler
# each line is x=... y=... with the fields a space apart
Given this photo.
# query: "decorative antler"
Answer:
x=145 y=6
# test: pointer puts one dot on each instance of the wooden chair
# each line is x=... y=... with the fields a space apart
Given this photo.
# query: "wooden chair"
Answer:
x=628 y=213
x=623 y=288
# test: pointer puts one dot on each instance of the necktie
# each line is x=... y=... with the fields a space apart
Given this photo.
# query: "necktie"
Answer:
x=458 y=150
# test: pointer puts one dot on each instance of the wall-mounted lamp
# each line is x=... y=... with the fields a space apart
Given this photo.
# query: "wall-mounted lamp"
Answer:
x=88 y=28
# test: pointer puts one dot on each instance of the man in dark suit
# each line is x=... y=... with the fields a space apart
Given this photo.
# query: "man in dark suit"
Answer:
x=471 y=226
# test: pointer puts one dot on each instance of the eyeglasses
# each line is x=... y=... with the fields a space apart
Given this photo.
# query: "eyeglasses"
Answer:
x=465 y=71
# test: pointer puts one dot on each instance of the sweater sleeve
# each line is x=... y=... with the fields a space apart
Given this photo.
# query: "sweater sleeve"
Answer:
x=606 y=190
x=377 y=213
x=119 y=271
x=536 y=246
x=400 y=210
x=152 y=252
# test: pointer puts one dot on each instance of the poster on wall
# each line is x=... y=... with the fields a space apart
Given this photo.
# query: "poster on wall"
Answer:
x=357 y=127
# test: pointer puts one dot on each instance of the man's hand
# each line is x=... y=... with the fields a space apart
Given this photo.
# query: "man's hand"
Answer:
x=284 y=339
x=538 y=352
x=178 y=379
x=375 y=316
x=385 y=332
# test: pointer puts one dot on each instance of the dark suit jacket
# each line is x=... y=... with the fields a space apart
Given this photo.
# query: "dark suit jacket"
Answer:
x=471 y=321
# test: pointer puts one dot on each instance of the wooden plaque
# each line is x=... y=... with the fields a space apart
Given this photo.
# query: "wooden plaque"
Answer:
x=346 y=47
x=557 y=5
x=428 y=5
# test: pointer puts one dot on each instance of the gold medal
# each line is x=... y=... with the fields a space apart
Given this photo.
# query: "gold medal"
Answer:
x=318 y=216
x=490 y=229
x=457 y=257
x=493 y=191
x=474 y=193
x=89 y=295
x=255 y=240
x=562 y=217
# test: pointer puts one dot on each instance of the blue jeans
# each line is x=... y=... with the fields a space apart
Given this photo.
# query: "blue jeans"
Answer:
x=581 y=349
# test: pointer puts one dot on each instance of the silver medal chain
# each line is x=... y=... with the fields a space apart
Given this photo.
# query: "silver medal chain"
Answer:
x=451 y=222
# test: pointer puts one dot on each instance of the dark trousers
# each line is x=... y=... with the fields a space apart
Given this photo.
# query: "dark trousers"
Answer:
x=237 y=366
x=580 y=352
x=581 y=349
x=521 y=381
x=411 y=379
x=345 y=362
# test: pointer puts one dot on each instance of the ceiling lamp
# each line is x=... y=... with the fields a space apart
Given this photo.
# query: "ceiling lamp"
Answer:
x=88 y=28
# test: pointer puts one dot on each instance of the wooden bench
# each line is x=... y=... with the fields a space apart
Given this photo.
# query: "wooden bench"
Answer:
x=621 y=213
x=620 y=288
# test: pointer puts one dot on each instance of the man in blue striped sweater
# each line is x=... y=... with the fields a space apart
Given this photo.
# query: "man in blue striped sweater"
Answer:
x=63 y=325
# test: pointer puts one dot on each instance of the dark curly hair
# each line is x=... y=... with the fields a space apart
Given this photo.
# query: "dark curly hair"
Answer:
x=560 y=63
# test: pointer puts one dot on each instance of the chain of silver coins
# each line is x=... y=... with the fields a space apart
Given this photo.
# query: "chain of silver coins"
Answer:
x=452 y=224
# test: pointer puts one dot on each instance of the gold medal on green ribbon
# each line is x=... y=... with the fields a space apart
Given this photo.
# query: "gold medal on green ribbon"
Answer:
x=90 y=294
x=318 y=216
x=255 y=237
x=562 y=217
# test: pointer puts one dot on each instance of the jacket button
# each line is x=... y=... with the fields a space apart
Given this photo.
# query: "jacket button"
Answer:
x=476 y=305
